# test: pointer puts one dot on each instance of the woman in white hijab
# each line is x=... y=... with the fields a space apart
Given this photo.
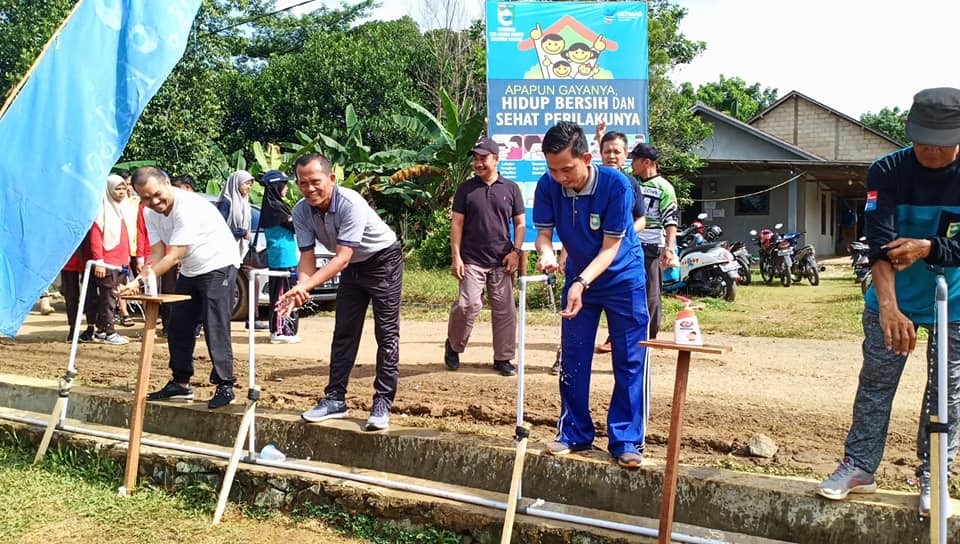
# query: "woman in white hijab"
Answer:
x=109 y=244
x=234 y=205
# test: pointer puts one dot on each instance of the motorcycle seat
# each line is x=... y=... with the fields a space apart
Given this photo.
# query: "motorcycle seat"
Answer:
x=701 y=247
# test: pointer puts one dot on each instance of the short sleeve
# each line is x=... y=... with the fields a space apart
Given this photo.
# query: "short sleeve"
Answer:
x=353 y=220
x=303 y=226
x=519 y=208
x=618 y=217
x=543 y=202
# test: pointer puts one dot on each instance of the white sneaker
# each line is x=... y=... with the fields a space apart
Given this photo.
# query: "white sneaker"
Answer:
x=115 y=339
x=281 y=339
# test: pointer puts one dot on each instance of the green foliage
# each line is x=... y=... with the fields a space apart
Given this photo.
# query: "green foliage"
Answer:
x=434 y=251
x=890 y=121
x=373 y=530
x=733 y=97
x=25 y=27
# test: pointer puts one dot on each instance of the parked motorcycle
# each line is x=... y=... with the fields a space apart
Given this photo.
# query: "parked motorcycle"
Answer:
x=776 y=255
x=804 y=259
x=743 y=258
x=860 y=261
x=706 y=268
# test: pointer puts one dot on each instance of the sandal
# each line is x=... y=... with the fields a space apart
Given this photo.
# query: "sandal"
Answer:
x=126 y=321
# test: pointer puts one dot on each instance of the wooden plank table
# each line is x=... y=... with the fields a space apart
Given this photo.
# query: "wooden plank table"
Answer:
x=151 y=309
x=676 y=423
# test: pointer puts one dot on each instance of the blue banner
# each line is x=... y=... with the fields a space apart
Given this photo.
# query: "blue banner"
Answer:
x=547 y=62
x=67 y=128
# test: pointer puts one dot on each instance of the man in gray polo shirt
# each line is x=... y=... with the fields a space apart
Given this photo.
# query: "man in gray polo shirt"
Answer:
x=369 y=260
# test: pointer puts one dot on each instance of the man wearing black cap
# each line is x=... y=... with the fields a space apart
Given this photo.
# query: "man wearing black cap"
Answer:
x=911 y=220
x=659 y=235
x=485 y=256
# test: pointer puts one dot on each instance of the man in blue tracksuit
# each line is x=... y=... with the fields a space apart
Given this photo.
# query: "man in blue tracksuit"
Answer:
x=590 y=208
x=911 y=219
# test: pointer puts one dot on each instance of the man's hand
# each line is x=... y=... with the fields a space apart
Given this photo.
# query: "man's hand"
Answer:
x=669 y=257
x=562 y=265
x=899 y=334
x=291 y=300
x=99 y=271
x=547 y=263
x=130 y=289
x=456 y=268
x=574 y=301
x=903 y=252
x=511 y=263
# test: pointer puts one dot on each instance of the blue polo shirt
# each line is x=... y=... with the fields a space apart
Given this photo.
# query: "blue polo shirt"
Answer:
x=603 y=208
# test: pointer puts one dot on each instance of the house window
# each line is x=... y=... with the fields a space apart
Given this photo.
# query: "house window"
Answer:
x=753 y=200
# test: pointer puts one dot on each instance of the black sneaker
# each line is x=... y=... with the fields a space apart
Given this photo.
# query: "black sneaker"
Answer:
x=222 y=397
x=172 y=391
x=450 y=358
x=86 y=336
x=505 y=368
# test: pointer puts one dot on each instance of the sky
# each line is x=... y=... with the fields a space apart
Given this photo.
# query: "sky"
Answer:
x=855 y=56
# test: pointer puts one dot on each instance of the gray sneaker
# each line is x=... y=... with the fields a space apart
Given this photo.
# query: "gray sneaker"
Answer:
x=115 y=339
x=847 y=479
x=326 y=409
x=924 y=505
x=379 y=419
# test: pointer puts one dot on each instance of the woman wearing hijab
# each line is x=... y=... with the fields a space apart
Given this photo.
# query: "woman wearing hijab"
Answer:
x=282 y=252
x=234 y=205
x=109 y=244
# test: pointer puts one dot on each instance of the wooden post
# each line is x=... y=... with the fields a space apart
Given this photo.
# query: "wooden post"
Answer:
x=668 y=502
x=151 y=310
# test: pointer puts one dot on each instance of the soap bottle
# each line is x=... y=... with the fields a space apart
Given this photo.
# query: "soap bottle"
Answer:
x=149 y=282
x=686 y=330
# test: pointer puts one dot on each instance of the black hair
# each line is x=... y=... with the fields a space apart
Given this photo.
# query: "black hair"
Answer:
x=185 y=179
x=576 y=46
x=611 y=136
x=551 y=38
x=311 y=157
x=565 y=135
x=125 y=174
x=143 y=174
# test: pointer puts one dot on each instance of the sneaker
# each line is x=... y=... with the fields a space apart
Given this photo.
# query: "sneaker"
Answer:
x=257 y=325
x=555 y=369
x=86 y=336
x=326 y=409
x=99 y=336
x=605 y=347
x=115 y=339
x=450 y=358
x=630 y=459
x=924 y=505
x=283 y=339
x=505 y=368
x=557 y=448
x=222 y=396
x=379 y=418
x=172 y=391
x=847 y=479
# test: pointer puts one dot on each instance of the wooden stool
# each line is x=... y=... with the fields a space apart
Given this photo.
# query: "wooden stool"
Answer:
x=151 y=309
x=676 y=423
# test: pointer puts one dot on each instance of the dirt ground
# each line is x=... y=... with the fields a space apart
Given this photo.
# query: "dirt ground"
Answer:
x=798 y=392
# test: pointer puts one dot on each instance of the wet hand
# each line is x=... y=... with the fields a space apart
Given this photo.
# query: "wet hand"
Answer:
x=547 y=263
x=291 y=300
x=574 y=301
x=899 y=333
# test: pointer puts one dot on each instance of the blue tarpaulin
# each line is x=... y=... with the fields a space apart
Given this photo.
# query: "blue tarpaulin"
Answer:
x=68 y=126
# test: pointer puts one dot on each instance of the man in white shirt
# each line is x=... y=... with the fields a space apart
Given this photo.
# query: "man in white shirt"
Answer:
x=185 y=228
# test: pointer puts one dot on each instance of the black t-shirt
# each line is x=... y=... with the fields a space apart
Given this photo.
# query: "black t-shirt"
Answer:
x=488 y=212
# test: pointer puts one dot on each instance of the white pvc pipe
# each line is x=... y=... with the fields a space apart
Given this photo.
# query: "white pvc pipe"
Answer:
x=943 y=343
x=380 y=482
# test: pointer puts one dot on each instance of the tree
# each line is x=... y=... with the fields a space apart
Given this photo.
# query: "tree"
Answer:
x=733 y=97
x=892 y=122
x=25 y=27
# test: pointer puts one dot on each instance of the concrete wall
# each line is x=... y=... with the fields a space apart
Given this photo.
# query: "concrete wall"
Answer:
x=736 y=227
x=813 y=196
x=822 y=132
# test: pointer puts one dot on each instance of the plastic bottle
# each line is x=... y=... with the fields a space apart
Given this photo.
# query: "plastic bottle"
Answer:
x=150 y=282
x=686 y=330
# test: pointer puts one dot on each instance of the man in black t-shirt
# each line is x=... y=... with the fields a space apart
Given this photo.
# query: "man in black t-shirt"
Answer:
x=485 y=256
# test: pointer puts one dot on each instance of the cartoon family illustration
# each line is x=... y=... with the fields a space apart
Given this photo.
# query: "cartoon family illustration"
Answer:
x=567 y=50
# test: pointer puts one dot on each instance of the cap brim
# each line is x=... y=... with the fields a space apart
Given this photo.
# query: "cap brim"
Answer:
x=481 y=151
x=931 y=136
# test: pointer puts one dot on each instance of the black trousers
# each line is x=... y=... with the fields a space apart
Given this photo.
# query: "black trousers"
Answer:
x=168 y=284
x=211 y=297
x=651 y=258
x=70 y=285
x=106 y=298
x=379 y=279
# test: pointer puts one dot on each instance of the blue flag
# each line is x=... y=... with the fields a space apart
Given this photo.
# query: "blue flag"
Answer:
x=66 y=129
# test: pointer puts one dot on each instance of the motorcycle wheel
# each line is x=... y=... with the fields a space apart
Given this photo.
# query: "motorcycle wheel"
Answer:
x=744 y=273
x=786 y=277
x=766 y=271
x=813 y=273
x=730 y=292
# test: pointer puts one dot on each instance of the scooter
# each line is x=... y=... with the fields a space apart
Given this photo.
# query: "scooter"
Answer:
x=743 y=258
x=706 y=269
x=804 y=260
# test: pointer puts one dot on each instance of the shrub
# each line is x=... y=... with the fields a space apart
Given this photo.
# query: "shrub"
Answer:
x=434 y=251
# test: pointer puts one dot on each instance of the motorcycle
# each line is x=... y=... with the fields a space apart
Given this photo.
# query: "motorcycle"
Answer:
x=859 y=251
x=804 y=260
x=744 y=260
x=706 y=268
x=776 y=255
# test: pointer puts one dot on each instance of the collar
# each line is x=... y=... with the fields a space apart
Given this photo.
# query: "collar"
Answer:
x=478 y=179
x=589 y=189
x=334 y=202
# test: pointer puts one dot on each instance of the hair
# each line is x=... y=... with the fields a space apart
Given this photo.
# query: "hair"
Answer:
x=613 y=135
x=581 y=47
x=313 y=157
x=185 y=179
x=123 y=174
x=565 y=135
x=142 y=175
x=551 y=38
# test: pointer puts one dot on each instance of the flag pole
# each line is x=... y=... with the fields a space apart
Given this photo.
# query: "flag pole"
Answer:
x=16 y=90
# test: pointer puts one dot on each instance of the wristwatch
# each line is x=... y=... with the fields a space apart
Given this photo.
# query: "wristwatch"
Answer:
x=517 y=250
x=581 y=281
